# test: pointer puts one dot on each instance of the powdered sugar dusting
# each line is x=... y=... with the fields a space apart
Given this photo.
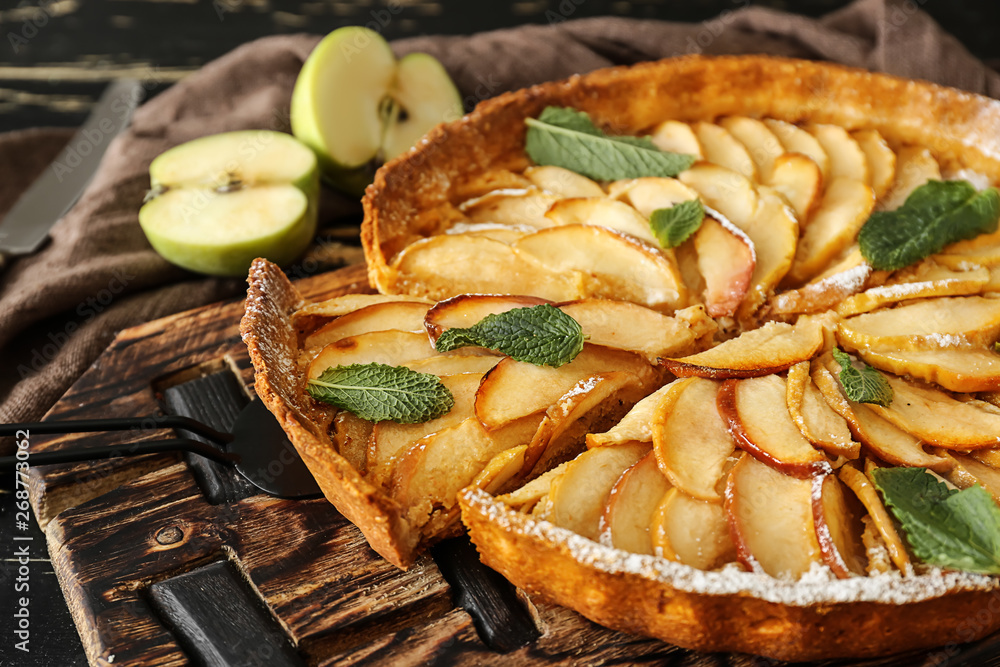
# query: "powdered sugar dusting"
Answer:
x=817 y=586
x=851 y=280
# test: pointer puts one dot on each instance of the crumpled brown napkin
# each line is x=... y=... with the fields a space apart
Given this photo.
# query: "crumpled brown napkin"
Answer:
x=61 y=307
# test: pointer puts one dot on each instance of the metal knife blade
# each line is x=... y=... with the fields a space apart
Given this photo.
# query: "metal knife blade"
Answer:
x=27 y=224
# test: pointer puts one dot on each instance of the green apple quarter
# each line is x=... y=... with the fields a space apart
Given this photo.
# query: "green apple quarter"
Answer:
x=220 y=201
x=357 y=106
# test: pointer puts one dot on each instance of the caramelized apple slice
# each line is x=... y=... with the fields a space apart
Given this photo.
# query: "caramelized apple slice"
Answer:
x=450 y=264
x=602 y=211
x=825 y=292
x=938 y=419
x=847 y=160
x=839 y=529
x=771 y=520
x=514 y=208
x=914 y=167
x=496 y=475
x=453 y=363
x=888 y=442
x=525 y=497
x=625 y=523
x=800 y=181
x=435 y=468
x=729 y=192
x=581 y=495
x=650 y=193
x=845 y=207
x=489 y=181
x=774 y=232
x=984 y=251
x=563 y=182
x=881 y=160
x=598 y=397
x=969 y=471
x=944 y=322
x=797 y=140
x=726 y=261
x=490 y=230
x=637 y=424
x=465 y=310
x=391 y=315
x=515 y=389
x=770 y=349
x=814 y=417
x=348 y=303
x=389 y=439
x=393 y=348
x=691 y=531
x=690 y=438
x=936 y=281
x=755 y=411
x=955 y=369
x=648 y=332
x=990 y=457
x=721 y=148
x=350 y=436
x=761 y=144
x=859 y=483
x=676 y=137
x=614 y=265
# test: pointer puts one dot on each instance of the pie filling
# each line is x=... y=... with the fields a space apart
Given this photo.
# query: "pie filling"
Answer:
x=755 y=455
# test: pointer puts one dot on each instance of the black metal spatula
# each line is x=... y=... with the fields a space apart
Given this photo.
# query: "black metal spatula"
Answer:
x=257 y=447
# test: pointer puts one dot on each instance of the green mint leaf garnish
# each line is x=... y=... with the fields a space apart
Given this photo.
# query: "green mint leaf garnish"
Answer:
x=378 y=392
x=541 y=335
x=862 y=386
x=945 y=527
x=672 y=226
x=934 y=215
x=568 y=138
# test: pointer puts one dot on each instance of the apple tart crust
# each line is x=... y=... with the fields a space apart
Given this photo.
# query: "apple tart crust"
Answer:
x=724 y=499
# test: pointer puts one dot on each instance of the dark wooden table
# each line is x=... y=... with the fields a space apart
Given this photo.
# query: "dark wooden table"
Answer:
x=57 y=55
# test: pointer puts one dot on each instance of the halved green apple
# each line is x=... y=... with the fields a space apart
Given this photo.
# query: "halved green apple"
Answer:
x=356 y=106
x=220 y=201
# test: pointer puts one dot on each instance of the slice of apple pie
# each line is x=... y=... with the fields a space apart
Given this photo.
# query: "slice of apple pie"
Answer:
x=779 y=433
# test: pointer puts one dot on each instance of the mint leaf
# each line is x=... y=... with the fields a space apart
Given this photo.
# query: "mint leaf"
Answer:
x=934 y=215
x=952 y=529
x=541 y=335
x=862 y=386
x=568 y=138
x=672 y=226
x=378 y=392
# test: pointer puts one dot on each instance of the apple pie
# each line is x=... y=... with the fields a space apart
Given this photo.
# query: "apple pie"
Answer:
x=780 y=434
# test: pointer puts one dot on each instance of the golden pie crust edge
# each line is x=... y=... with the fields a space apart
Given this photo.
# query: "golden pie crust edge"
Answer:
x=414 y=196
x=273 y=344
x=700 y=610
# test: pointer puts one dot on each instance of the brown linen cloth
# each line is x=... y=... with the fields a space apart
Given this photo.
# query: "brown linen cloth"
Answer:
x=61 y=307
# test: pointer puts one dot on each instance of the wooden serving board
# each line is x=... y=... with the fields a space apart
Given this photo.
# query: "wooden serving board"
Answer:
x=166 y=560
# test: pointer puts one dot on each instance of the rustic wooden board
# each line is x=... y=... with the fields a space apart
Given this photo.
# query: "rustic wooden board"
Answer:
x=163 y=564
